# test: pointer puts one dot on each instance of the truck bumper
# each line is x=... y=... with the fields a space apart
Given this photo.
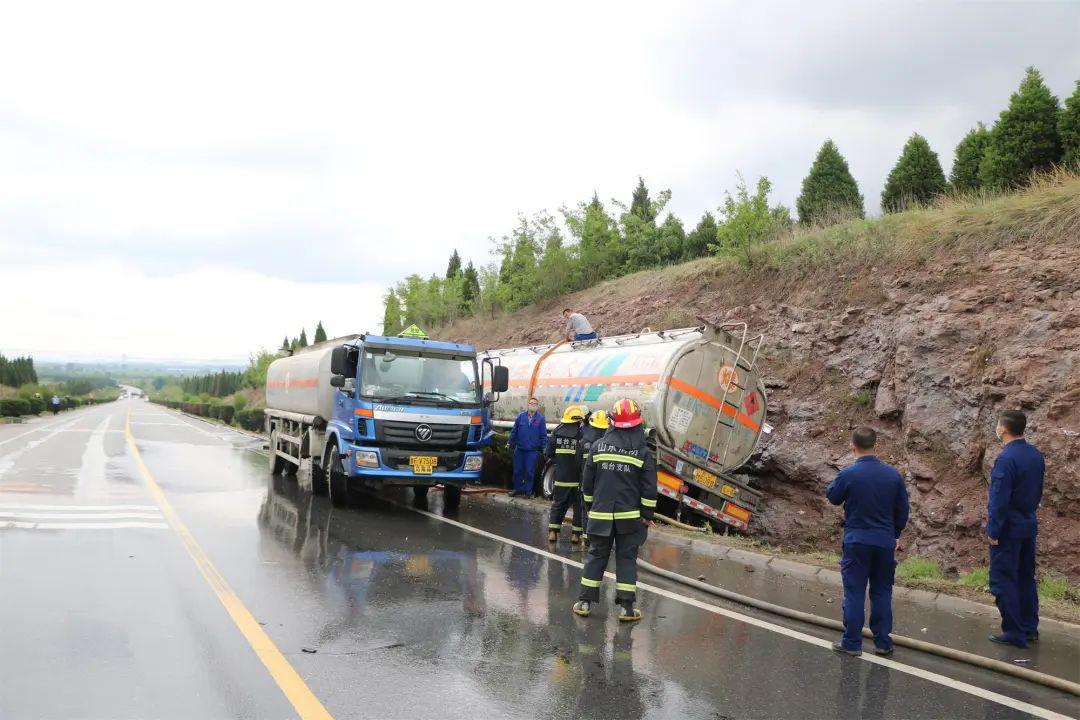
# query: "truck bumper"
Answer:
x=359 y=459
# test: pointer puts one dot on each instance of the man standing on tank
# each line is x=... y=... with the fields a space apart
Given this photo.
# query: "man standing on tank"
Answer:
x=527 y=440
x=875 y=513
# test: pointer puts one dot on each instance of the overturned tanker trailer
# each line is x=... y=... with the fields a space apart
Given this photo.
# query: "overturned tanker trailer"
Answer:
x=701 y=396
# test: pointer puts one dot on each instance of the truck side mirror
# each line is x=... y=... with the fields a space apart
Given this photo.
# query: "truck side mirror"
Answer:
x=500 y=378
x=337 y=380
x=339 y=361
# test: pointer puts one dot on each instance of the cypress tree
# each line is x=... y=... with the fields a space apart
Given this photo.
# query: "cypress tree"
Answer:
x=320 y=333
x=303 y=338
x=392 y=320
x=470 y=288
x=453 y=268
x=640 y=203
x=285 y=343
x=699 y=239
x=1025 y=139
x=1069 y=128
x=829 y=192
x=916 y=179
x=969 y=153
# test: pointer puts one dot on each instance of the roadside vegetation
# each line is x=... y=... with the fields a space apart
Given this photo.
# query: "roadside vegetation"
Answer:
x=547 y=255
x=22 y=392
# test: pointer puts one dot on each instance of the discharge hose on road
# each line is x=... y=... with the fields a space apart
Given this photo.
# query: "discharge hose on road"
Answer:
x=986 y=663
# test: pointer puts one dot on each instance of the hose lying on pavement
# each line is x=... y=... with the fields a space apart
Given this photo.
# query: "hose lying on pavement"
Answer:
x=939 y=650
x=675 y=523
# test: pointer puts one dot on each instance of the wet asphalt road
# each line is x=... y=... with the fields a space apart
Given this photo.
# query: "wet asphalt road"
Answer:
x=103 y=614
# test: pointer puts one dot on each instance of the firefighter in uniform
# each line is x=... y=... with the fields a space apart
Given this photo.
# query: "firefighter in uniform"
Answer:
x=565 y=451
x=595 y=425
x=619 y=490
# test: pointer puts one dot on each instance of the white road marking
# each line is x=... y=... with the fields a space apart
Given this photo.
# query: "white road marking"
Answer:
x=780 y=629
x=70 y=508
x=80 y=516
x=18 y=525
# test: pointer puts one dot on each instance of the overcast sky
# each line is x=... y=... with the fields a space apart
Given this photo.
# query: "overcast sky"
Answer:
x=195 y=180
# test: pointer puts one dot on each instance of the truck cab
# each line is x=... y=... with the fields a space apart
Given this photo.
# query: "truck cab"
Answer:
x=408 y=411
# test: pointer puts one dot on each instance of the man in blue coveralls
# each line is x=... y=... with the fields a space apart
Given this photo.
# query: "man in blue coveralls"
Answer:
x=528 y=439
x=1016 y=486
x=875 y=513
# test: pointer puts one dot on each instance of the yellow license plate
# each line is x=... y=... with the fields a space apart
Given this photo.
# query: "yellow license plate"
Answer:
x=703 y=478
x=728 y=490
x=423 y=464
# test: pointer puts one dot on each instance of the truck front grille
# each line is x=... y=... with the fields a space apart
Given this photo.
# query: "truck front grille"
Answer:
x=403 y=434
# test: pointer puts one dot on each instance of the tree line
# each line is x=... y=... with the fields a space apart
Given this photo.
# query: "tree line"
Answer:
x=302 y=342
x=536 y=260
x=17 y=371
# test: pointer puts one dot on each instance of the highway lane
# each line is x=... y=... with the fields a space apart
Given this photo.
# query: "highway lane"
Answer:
x=381 y=611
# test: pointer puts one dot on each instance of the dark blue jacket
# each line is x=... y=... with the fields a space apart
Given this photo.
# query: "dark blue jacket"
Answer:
x=875 y=502
x=529 y=435
x=1016 y=486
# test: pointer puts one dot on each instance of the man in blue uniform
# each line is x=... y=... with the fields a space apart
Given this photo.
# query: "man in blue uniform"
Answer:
x=1016 y=486
x=875 y=513
x=528 y=439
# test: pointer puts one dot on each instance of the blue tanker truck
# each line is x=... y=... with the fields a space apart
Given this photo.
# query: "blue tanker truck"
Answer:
x=371 y=411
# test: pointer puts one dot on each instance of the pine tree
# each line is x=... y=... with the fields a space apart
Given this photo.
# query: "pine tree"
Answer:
x=1025 y=139
x=391 y=324
x=640 y=204
x=829 y=192
x=303 y=338
x=285 y=343
x=969 y=153
x=320 y=334
x=470 y=289
x=916 y=179
x=294 y=344
x=699 y=239
x=1069 y=128
x=453 y=268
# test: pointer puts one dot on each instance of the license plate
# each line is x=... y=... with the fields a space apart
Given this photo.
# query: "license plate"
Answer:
x=703 y=478
x=423 y=464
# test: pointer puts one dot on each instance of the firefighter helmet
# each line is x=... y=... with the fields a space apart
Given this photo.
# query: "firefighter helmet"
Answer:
x=573 y=413
x=599 y=420
x=626 y=414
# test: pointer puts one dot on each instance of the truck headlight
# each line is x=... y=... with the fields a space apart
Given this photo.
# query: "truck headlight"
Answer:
x=366 y=458
x=474 y=463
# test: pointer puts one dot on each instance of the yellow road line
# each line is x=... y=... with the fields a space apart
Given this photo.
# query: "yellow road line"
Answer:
x=286 y=677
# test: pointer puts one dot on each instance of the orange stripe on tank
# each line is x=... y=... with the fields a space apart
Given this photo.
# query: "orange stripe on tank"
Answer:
x=740 y=417
x=590 y=380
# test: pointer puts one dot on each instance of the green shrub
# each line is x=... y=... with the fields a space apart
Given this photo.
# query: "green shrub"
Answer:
x=225 y=414
x=977 y=579
x=13 y=407
x=37 y=405
x=918 y=568
x=1058 y=588
x=250 y=419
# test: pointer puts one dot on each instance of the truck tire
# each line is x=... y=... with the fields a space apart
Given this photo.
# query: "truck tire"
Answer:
x=547 y=486
x=277 y=463
x=419 y=493
x=451 y=497
x=337 y=480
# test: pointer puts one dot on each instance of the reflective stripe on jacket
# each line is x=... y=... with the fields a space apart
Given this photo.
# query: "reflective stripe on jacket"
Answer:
x=619 y=482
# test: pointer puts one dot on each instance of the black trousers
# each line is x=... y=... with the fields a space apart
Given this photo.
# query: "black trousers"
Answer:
x=562 y=500
x=626 y=551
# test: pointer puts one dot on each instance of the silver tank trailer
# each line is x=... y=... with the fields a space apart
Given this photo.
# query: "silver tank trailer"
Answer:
x=300 y=383
x=698 y=388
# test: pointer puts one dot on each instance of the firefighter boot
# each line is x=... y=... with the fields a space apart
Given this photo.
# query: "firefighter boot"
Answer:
x=583 y=608
x=553 y=536
x=575 y=538
x=628 y=613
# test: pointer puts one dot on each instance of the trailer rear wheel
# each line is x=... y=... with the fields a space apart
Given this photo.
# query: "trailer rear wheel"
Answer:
x=277 y=463
x=337 y=480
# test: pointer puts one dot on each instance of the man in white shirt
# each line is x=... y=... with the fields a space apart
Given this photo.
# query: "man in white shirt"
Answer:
x=577 y=327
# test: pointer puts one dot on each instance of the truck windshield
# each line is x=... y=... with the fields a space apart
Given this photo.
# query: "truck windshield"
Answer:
x=438 y=379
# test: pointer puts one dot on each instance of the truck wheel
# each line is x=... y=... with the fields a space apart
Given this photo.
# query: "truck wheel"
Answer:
x=337 y=480
x=451 y=497
x=419 y=493
x=277 y=463
x=548 y=484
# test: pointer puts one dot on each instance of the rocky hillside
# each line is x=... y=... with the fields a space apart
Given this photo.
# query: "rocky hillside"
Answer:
x=923 y=325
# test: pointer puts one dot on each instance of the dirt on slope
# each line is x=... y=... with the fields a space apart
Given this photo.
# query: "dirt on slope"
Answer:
x=923 y=326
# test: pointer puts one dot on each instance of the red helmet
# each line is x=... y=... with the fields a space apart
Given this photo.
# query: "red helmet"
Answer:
x=626 y=414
